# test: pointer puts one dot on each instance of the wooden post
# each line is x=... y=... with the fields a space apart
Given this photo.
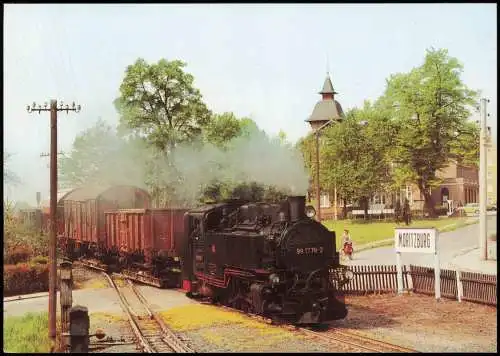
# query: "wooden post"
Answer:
x=399 y=270
x=79 y=329
x=459 y=286
x=66 y=298
x=437 y=276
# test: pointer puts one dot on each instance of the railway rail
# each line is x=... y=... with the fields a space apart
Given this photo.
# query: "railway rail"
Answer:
x=359 y=343
x=353 y=341
x=134 y=276
x=150 y=331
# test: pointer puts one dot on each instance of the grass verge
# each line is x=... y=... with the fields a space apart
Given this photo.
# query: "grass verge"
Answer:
x=368 y=232
x=26 y=334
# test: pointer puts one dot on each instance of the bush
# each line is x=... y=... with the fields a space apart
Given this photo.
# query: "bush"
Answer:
x=42 y=260
x=24 y=278
x=17 y=234
x=17 y=254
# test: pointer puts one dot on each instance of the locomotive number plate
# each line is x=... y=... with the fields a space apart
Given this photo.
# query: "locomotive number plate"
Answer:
x=310 y=251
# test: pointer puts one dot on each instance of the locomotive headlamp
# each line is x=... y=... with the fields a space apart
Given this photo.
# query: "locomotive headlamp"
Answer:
x=274 y=278
x=349 y=274
x=310 y=212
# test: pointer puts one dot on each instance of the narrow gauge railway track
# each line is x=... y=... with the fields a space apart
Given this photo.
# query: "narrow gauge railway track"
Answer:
x=360 y=342
x=353 y=341
x=151 y=332
x=134 y=276
x=349 y=340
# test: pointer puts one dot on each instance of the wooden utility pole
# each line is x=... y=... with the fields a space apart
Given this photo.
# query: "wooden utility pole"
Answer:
x=483 y=182
x=53 y=108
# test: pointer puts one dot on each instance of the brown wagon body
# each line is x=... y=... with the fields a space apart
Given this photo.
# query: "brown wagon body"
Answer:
x=145 y=230
x=84 y=210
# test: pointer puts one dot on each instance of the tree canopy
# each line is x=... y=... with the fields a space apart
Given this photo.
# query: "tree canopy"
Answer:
x=160 y=102
x=413 y=130
x=431 y=107
x=353 y=154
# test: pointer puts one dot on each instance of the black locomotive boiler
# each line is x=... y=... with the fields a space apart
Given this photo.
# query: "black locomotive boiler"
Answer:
x=267 y=259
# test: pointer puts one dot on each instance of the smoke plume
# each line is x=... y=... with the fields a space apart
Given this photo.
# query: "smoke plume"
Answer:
x=184 y=173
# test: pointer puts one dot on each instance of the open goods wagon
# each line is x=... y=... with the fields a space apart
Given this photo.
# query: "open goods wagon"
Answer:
x=149 y=241
x=150 y=231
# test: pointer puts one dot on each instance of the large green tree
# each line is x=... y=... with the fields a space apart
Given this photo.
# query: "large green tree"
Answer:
x=430 y=107
x=160 y=102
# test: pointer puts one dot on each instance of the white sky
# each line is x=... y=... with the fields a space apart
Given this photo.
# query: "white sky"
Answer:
x=263 y=61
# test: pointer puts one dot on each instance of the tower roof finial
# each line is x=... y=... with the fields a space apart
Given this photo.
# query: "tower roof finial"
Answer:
x=327 y=65
x=328 y=86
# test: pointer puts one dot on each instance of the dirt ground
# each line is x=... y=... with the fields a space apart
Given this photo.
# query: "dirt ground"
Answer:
x=422 y=323
x=84 y=278
x=414 y=321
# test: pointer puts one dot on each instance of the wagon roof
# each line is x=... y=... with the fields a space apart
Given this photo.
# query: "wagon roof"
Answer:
x=94 y=192
x=61 y=195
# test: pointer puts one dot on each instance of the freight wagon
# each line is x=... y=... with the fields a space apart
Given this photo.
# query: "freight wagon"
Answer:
x=84 y=223
x=146 y=243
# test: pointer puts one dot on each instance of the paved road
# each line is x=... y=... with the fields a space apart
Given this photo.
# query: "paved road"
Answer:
x=450 y=244
x=102 y=300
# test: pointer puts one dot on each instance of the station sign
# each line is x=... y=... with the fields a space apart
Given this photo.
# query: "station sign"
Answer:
x=416 y=240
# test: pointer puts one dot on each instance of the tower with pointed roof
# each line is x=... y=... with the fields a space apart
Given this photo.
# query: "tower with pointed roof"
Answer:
x=327 y=108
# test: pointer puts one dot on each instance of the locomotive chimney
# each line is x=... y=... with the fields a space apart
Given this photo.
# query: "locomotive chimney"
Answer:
x=297 y=207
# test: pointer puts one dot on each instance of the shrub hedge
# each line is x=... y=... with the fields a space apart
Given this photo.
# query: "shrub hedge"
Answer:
x=24 y=278
x=17 y=254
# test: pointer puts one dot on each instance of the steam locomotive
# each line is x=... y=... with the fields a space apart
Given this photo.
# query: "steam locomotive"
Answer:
x=267 y=259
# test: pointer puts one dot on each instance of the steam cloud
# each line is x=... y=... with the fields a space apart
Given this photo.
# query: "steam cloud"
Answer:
x=192 y=167
x=253 y=158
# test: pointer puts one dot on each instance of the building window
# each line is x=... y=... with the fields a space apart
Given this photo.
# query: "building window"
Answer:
x=324 y=202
